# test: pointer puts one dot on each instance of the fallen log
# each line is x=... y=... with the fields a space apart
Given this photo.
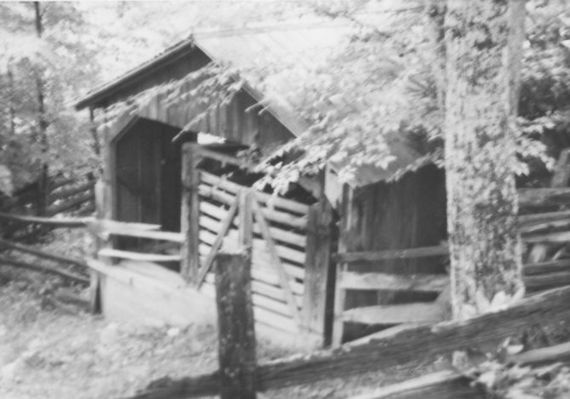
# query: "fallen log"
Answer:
x=450 y=384
x=44 y=268
x=416 y=344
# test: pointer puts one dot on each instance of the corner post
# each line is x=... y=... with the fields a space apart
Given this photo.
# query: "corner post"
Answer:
x=236 y=329
x=190 y=212
x=317 y=295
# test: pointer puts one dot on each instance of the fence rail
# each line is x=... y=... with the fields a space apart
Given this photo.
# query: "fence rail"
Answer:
x=64 y=195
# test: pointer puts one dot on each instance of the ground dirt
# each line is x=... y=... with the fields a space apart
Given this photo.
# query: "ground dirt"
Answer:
x=51 y=350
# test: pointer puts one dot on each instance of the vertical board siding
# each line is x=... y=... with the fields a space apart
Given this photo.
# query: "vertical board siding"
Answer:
x=383 y=216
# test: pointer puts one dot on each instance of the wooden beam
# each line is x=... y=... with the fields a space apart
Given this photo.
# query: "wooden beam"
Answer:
x=190 y=213
x=535 y=197
x=543 y=217
x=40 y=267
x=396 y=282
x=236 y=331
x=71 y=191
x=41 y=253
x=46 y=221
x=405 y=349
x=69 y=204
x=548 y=238
x=137 y=256
x=554 y=266
x=106 y=227
x=221 y=157
x=411 y=253
x=317 y=304
x=544 y=281
x=395 y=314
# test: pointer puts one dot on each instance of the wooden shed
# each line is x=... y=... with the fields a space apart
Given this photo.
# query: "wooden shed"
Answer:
x=185 y=199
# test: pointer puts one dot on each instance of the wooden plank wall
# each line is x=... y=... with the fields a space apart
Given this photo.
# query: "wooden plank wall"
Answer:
x=384 y=216
x=288 y=226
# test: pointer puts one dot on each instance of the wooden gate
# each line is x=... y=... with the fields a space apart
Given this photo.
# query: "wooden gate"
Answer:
x=289 y=244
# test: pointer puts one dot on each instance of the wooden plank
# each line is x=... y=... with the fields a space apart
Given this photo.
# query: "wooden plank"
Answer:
x=395 y=282
x=318 y=278
x=411 y=253
x=262 y=273
x=206 y=222
x=143 y=257
x=550 y=354
x=47 y=221
x=190 y=212
x=220 y=182
x=266 y=295
x=236 y=332
x=545 y=281
x=264 y=259
x=405 y=350
x=548 y=238
x=104 y=227
x=41 y=267
x=71 y=191
x=276 y=262
x=69 y=204
x=297 y=222
x=543 y=217
x=544 y=227
x=245 y=221
x=218 y=243
x=273 y=201
x=275 y=320
x=283 y=252
x=534 y=197
x=284 y=236
x=546 y=267
x=215 y=194
x=41 y=253
x=214 y=211
x=223 y=158
x=395 y=314
x=339 y=305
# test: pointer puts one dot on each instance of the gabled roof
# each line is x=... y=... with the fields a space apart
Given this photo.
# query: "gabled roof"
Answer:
x=270 y=58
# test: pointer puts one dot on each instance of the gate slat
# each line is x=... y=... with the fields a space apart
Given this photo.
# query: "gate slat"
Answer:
x=283 y=276
x=219 y=240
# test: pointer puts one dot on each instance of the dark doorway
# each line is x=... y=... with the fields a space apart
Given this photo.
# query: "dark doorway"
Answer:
x=147 y=170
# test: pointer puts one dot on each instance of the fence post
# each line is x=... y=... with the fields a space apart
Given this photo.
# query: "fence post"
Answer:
x=190 y=212
x=98 y=243
x=246 y=220
x=235 y=326
x=317 y=296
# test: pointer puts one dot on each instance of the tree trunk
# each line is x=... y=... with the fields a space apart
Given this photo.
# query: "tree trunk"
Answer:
x=483 y=45
x=435 y=12
x=42 y=122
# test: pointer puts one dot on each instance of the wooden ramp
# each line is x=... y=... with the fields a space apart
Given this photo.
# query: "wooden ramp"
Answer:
x=143 y=292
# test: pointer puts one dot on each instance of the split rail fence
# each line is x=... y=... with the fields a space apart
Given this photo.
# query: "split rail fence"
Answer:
x=64 y=195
